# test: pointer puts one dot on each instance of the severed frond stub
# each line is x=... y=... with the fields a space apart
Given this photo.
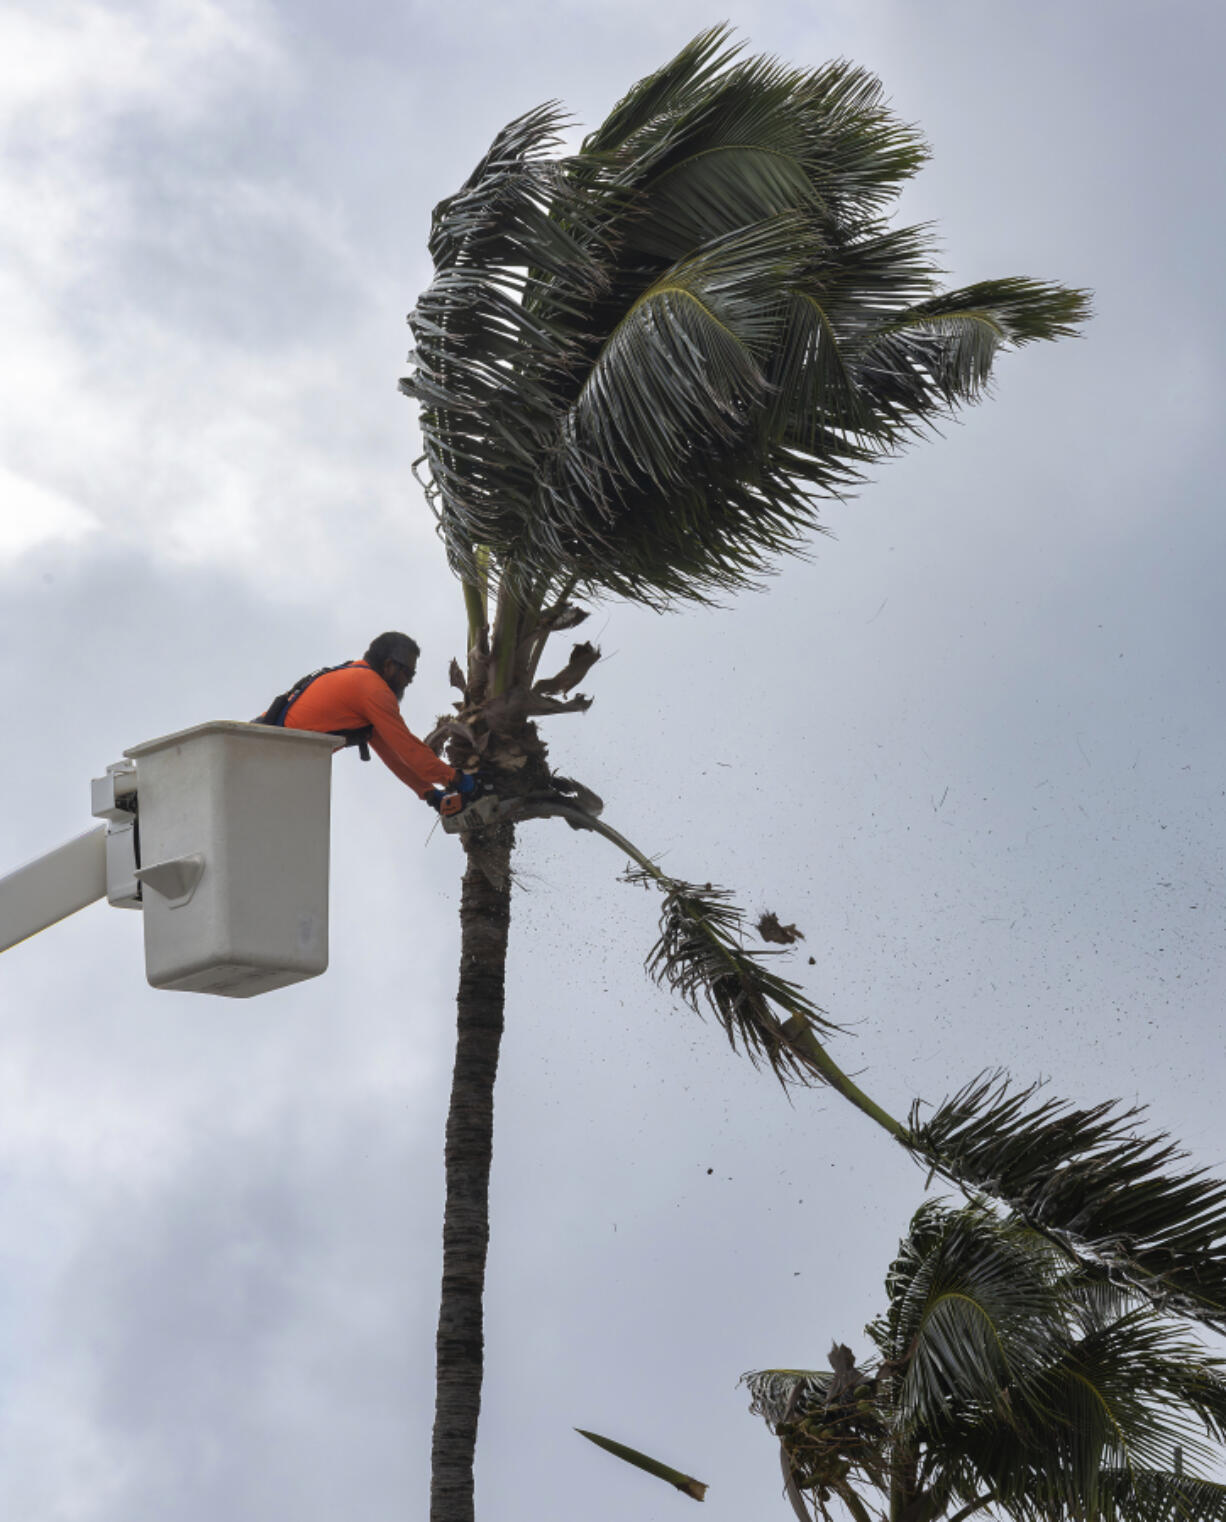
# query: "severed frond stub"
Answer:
x=701 y=956
x=1088 y=1180
x=685 y=1483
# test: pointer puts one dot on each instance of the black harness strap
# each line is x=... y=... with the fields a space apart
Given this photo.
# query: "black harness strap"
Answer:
x=280 y=706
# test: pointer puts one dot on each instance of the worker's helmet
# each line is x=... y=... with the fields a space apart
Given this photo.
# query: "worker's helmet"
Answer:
x=393 y=646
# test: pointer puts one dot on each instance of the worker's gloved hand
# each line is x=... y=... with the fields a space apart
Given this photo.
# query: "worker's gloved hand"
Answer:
x=433 y=798
x=467 y=782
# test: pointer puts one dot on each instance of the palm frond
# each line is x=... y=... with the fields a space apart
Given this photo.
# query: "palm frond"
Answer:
x=701 y=956
x=922 y=361
x=974 y=1311
x=686 y=1483
x=680 y=372
x=486 y=363
x=1092 y=1183
x=661 y=94
x=1110 y=1399
x=1140 y=1495
x=776 y=1394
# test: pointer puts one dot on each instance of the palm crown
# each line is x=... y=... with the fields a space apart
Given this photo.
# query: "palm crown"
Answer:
x=643 y=364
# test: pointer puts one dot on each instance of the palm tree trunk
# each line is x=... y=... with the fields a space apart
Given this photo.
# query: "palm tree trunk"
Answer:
x=485 y=917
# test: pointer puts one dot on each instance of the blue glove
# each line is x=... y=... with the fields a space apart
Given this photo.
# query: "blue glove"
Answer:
x=466 y=783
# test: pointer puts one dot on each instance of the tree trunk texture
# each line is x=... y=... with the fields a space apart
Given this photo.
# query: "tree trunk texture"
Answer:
x=485 y=916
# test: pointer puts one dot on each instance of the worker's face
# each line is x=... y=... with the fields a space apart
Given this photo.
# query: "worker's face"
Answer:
x=399 y=676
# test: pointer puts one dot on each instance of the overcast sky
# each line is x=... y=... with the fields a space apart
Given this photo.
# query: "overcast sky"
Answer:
x=973 y=748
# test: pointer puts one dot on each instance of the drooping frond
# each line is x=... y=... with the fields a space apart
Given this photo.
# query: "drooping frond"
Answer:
x=485 y=365
x=643 y=366
x=776 y=1394
x=701 y=956
x=833 y=1431
x=1091 y=1182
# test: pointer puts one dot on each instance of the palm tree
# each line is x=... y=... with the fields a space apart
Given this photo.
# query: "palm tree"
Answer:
x=1010 y=1377
x=641 y=367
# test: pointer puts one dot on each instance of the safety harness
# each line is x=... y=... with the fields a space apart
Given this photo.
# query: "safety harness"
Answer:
x=280 y=706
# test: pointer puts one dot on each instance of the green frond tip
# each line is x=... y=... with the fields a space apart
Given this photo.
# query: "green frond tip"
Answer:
x=685 y=1483
x=1090 y=1181
x=701 y=956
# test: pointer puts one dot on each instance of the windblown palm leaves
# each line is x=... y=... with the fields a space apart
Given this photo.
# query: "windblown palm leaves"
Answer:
x=1087 y=1178
x=1009 y=1378
x=642 y=364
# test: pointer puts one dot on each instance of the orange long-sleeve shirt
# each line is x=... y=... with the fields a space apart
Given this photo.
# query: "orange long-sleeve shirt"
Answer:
x=356 y=696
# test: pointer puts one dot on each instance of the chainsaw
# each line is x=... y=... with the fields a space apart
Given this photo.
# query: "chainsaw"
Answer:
x=565 y=798
x=459 y=818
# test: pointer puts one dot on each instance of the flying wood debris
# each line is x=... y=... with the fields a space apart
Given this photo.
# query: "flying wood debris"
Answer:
x=770 y=929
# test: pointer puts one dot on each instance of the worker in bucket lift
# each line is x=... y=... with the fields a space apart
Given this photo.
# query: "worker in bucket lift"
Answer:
x=361 y=701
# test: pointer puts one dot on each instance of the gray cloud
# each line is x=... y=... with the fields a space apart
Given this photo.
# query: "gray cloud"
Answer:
x=973 y=749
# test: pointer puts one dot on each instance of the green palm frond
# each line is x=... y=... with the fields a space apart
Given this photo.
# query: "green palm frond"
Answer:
x=701 y=956
x=753 y=137
x=921 y=362
x=1108 y=1400
x=660 y=95
x=975 y=1310
x=643 y=367
x=686 y=1483
x=683 y=367
x=486 y=363
x=1092 y=1183
x=1139 y=1495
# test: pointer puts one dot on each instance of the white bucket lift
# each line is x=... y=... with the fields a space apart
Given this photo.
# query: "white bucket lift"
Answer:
x=220 y=835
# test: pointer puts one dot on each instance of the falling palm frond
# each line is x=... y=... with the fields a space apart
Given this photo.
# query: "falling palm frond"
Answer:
x=686 y=1483
x=701 y=956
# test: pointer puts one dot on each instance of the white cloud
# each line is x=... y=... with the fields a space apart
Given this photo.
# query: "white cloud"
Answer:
x=65 y=67
x=158 y=385
x=32 y=515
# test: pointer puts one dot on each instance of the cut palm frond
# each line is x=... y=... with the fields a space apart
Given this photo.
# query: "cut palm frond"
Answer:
x=1090 y=1181
x=701 y=956
x=686 y=1483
